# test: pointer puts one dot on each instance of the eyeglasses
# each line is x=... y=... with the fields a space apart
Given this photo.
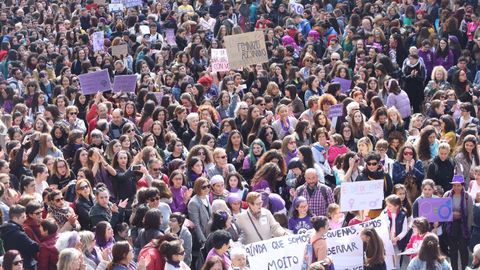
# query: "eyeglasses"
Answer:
x=73 y=113
x=372 y=163
x=308 y=61
x=38 y=213
x=244 y=108
x=408 y=153
x=206 y=187
x=58 y=200
x=18 y=262
x=154 y=199
x=292 y=142
x=223 y=157
x=263 y=104
x=131 y=130
x=83 y=187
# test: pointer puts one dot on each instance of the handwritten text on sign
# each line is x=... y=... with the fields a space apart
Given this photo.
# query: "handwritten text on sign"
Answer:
x=98 y=81
x=335 y=111
x=278 y=253
x=246 y=49
x=361 y=195
x=219 y=60
x=124 y=83
x=436 y=209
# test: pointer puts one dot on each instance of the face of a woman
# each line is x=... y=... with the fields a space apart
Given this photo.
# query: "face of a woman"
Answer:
x=17 y=263
x=469 y=146
x=431 y=138
x=427 y=191
x=122 y=159
x=439 y=75
x=302 y=208
x=283 y=113
x=236 y=139
x=30 y=188
x=198 y=168
x=443 y=44
x=38 y=125
x=292 y=145
x=255 y=113
x=357 y=117
x=177 y=181
x=462 y=76
x=204 y=129
x=221 y=159
x=217 y=266
x=408 y=154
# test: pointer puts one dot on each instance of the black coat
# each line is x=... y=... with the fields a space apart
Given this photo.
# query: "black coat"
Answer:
x=82 y=209
x=14 y=237
x=441 y=172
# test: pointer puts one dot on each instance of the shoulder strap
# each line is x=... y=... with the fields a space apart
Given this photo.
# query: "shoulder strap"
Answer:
x=323 y=190
x=255 y=227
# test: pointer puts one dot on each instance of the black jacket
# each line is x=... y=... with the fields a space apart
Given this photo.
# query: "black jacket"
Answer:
x=441 y=172
x=14 y=237
x=82 y=209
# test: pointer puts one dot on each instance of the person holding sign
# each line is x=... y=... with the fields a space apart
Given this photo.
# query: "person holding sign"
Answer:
x=458 y=230
x=257 y=223
x=397 y=217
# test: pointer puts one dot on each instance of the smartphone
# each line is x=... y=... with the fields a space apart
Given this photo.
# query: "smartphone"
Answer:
x=136 y=167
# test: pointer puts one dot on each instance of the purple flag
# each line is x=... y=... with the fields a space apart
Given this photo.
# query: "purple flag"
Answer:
x=125 y=83
x=98 y=81
x=436 y=209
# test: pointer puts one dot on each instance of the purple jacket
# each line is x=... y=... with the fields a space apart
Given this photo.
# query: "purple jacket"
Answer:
x=401 y=102
x=446 y=62
x=428 y=59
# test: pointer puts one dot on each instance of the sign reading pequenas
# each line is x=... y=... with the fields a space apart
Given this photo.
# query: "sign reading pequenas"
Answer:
x=246 y=49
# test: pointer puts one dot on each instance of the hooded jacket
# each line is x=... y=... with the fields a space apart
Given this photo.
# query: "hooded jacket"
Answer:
x=14 y=237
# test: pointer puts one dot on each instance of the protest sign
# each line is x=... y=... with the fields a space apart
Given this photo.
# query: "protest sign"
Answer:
x=98 y=41
x=335 y=111
x=344 y=84
x=219 y=60
x=436 y=209
x=98 y=81
x=362 y=195
x=115 y=7
x=125 y=83
x=345 y=247
x=246 y=49
x=170 y=37
x=133 y=3
x=100 y=2
x=120 y=50
x=286 y=252
x=297 y=8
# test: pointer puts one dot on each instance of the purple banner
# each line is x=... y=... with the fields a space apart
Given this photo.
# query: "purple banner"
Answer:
x=436 y=209
x=344 y=84
x=335 y=111
x=98 y=81
x=125 y=83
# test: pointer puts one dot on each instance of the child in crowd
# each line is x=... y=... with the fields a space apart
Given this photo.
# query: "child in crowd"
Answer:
x=300 y=220
x=420 y=227
x=335 y=217
x=398 y=225
x=360 y=216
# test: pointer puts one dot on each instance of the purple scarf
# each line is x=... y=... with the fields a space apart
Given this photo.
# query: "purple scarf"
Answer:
x=464 y=220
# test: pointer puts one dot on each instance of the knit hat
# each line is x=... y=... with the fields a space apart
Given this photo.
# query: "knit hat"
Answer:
x=205 y=81
x=216 y=179
x=233 y=198
x=275 y=203
x=298 y=200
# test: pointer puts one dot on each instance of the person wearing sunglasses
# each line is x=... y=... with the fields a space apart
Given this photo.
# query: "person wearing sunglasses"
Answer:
x=373 y=171
x=84 y=202
x=174 y=253
x=408 y=166
x=61 y=212
x=71 y=119
x=200 y=210
x=31 y=226
x=12 y=260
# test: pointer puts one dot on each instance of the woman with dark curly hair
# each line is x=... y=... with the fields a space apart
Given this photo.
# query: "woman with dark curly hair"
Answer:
x=427 y=146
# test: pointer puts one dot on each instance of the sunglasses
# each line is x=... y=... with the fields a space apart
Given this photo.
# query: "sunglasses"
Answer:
x=73 y=113
x=156 y=169
x=223 y=157
x=58 y=200
x=18 y=262
x=154 y=199
x=83 y=187
x=408 y=153
x=372 y=163
x=206 y=187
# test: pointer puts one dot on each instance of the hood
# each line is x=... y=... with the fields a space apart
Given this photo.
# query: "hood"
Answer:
x=410 y=64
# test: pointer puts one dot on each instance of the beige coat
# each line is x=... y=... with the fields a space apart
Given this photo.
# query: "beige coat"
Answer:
x=266 y=225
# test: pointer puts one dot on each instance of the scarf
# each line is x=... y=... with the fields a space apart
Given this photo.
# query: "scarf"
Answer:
x=59 y=214
x=464 y=220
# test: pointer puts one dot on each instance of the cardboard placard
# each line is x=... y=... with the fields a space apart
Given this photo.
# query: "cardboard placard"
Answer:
x=344 y=84
x=98 y=81
x=361 y=195
x=120 y=50
x=132 y=3
x=219 y=60
x=98 y=40
x=436 y=209
x=335 y=111
x=115 y=7
x=125 y=83
x=246 y=49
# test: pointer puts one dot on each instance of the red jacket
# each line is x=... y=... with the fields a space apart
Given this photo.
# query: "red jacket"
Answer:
x=32 y=229
x=153 y=256
x=48 y=254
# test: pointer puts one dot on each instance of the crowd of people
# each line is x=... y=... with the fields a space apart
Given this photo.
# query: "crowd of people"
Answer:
x=193 y=165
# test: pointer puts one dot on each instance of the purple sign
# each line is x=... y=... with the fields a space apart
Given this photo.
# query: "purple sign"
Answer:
x=436 y=209
x=125 y=83
x=98 y=81
x=133 y=3
x=159 y=96
x=335 y=111
x=344 y=84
